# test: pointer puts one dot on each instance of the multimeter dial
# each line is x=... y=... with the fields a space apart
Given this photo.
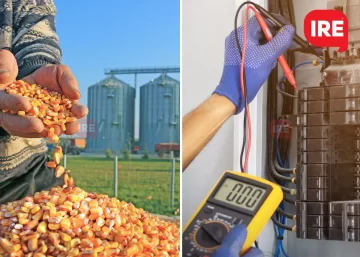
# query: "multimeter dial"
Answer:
x=210 y=234
x=237 y=199
x=206 y=234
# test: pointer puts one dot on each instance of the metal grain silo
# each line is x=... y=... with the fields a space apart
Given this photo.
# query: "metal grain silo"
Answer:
x=159 y=112
x=111 y=104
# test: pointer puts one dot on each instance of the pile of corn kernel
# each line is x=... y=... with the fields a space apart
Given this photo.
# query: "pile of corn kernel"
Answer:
x=71 y=222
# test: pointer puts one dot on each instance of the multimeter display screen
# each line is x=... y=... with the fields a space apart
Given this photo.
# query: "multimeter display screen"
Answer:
x=240 y=194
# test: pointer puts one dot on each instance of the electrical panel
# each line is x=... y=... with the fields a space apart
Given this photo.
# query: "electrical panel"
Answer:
x=328 y=169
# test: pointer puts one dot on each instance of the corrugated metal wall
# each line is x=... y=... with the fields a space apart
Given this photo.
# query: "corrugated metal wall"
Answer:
x=159 y=112
x=111 y=104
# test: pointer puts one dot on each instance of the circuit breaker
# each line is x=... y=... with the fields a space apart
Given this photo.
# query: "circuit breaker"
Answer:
x=328 y=169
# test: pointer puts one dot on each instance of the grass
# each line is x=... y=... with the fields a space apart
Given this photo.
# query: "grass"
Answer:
x=137 y=180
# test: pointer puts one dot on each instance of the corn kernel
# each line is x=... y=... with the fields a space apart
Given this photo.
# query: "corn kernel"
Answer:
x=51 y=164
x=42 y=227
x=59 y=171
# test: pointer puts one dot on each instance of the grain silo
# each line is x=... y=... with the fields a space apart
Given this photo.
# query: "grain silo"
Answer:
x=159 y=112
x=111 y=104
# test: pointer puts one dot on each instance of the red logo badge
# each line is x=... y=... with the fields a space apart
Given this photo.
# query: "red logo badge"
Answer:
x=327 y=28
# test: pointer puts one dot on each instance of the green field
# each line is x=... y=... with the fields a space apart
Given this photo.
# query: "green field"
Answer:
x=137 y=180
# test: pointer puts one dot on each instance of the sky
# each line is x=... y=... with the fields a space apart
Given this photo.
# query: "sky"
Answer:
x=118 y=34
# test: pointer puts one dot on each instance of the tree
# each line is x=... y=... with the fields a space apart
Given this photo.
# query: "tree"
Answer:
x=128 y=147
x=108 y=153
x=126 y=154
x=129 y=143
x=161 y=153
x=146 y=154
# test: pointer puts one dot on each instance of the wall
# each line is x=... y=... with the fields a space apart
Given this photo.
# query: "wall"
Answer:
x=205 y=25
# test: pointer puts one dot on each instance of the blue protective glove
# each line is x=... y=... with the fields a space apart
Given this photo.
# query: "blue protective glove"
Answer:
x=259 y=61
x=233 y=243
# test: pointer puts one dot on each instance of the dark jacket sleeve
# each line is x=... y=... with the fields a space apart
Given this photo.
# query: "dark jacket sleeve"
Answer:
x=34 y=39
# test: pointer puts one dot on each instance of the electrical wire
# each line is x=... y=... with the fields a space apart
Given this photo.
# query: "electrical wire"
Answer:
x=283 y=92
x=245 y=88
x=283 y=213
x=286 y=190
x=271 y=114
x=283 y=170
x=273 y=171
x=288 y=200
x=280 y=223
x=279 y=168
x=282 y=145
x=242 y=71
x=281 y=81
x=282 y=217
x=301 y=50
x=286 y=227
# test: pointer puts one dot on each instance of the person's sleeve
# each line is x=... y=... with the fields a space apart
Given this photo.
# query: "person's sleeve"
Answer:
x=6 y=25
x=35 y=41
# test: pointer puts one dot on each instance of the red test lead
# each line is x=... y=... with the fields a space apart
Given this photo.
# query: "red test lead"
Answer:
x=288 y=73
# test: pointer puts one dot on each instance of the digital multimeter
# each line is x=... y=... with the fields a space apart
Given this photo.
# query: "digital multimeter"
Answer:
x=237 y=198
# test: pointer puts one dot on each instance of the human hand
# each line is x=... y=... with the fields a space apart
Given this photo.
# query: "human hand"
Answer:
x=8 y=68
x=59 y=78
x=13 y=124
x=259 y=61
x=233 y=243
x=54 y=77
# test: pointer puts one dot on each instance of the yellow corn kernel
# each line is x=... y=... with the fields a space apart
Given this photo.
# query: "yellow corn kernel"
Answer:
x=42 y=227
x=31 y=224
x=59 y=171
x=65 y=223
x=51 y=164
x=35 y=209
x=51 y=132
x=73 y=252
x=65 y=237
x=24 y=221
x=33 y=244
x=52 y=226
x=5 y=244
x=56 y=156
x=54 y=138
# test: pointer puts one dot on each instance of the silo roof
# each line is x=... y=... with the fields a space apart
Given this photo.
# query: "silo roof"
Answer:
x=111 y=81
x=163 y=79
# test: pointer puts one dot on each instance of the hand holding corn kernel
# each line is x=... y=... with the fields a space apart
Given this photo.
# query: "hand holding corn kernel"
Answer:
x=48 y=110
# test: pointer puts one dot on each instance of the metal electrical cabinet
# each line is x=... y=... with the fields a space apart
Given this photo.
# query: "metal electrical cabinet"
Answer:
x=326 y=149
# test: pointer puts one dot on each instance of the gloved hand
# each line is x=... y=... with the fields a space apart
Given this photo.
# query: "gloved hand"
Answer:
x=233 y=244
x=259 y=61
